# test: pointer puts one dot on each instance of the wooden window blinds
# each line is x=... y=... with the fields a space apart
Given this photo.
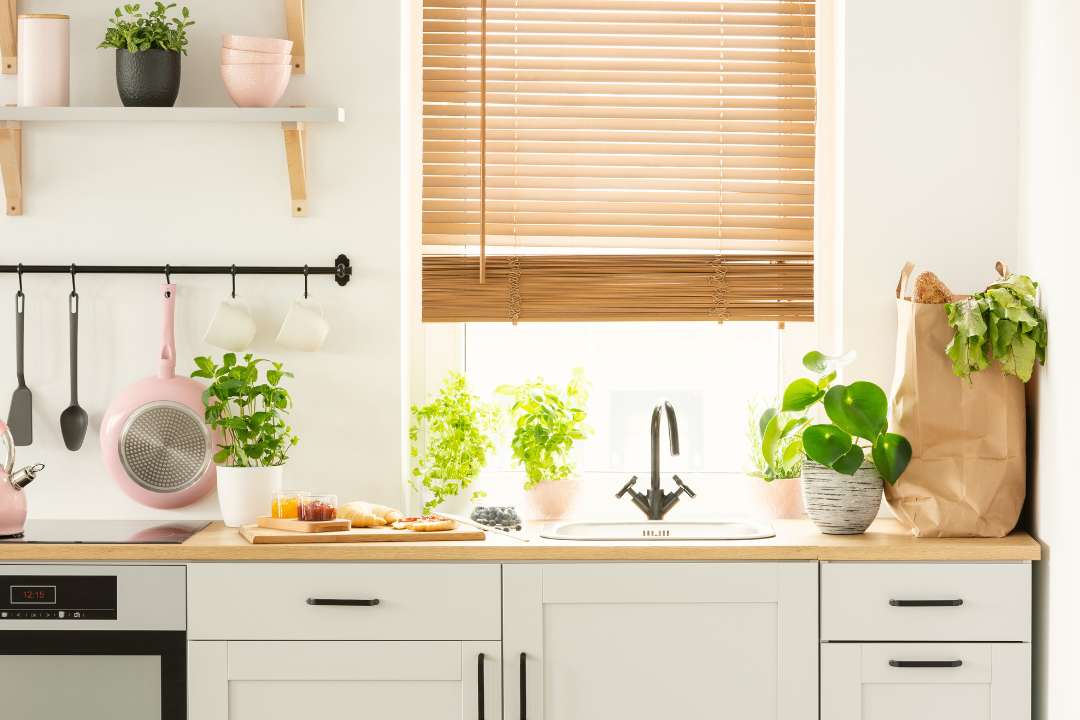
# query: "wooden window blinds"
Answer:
x=618 y=160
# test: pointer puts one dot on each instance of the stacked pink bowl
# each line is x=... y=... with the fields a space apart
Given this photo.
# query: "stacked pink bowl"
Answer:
x=256 y=70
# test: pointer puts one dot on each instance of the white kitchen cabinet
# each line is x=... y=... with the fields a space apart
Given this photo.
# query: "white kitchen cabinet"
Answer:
x=931 y=681
x=641 y=641
x=271 y=680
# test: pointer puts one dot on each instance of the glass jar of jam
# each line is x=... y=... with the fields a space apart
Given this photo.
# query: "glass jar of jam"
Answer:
x=286 y=504
x=314 y=508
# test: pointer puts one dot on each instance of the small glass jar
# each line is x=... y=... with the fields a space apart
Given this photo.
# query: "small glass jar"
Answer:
x=286 y=504
x=315 y=508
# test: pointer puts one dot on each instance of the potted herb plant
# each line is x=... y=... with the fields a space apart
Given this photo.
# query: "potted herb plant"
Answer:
x=776 y=487
x=548 y=422
x=250 y=413
x=148 y=47
x=457 y=430
x=842 y=483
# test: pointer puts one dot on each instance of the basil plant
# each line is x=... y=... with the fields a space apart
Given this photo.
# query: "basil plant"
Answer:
x=859 y=422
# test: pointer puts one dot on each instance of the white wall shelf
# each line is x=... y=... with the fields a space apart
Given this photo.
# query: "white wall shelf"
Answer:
x=292 y=120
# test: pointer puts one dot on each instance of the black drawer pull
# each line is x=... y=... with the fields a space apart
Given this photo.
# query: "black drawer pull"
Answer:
x=348 y=603
x=926 y=663
x=480 y=686
x=521 y=686
x=927 y=603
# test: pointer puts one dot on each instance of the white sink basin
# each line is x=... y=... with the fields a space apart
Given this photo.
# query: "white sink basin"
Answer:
x=645 y=530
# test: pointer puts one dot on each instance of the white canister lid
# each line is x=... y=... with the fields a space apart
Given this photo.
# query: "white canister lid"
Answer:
x=45 y=16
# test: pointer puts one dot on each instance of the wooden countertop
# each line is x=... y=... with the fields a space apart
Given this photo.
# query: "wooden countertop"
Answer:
x=795 y=540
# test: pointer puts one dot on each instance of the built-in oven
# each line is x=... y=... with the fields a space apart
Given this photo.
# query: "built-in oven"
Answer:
x=93 y=642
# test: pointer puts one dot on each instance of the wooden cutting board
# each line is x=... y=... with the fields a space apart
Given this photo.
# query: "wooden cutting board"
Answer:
x=304 y=526
x=266 y=536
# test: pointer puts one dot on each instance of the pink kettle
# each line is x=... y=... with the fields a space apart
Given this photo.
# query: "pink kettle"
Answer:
x=12 y=498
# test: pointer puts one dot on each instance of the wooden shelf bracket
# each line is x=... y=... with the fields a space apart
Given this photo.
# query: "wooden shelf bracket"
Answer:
x=9 y=52
x=296 y=26
x=11 y=166
x=296 y=158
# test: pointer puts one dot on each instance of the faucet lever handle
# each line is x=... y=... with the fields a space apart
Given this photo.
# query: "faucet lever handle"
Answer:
x=683 y=487
x=626 y=487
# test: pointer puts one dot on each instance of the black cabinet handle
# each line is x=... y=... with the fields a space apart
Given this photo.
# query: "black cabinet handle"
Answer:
x=926 y=663
x=927 y=603
x=521 y=686
x=346 y=602
x=480 y=686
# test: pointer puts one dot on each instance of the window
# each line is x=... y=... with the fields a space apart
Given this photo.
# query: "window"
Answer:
x=625 y=186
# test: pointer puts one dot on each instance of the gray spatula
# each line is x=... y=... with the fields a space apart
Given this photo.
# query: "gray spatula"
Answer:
x=21 y=414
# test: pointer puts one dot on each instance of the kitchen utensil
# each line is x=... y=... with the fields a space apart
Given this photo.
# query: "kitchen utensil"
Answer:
x=256 y=85
x=44 y=60
x=153 y=438
x=21 y=414
x=232 y=327
x=274 y=46
x=305 y=327
x=12 y=498
x=247 y=57
x=74 y=419
x=304 y=526
x=265 y=536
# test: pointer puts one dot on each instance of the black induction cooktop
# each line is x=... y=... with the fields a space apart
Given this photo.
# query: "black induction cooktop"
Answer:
x=109 y=532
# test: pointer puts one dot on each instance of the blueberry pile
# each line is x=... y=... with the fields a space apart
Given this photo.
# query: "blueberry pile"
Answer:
x=501 y=518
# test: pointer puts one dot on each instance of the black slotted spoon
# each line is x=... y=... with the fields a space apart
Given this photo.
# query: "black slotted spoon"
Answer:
x=21 y=414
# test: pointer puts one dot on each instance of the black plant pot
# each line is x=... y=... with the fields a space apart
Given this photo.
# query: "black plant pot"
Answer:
x=150 y=78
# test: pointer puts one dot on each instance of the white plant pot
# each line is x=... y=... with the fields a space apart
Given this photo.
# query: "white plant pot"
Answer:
x=841 y=504
x=245 y=493
x=459 y=504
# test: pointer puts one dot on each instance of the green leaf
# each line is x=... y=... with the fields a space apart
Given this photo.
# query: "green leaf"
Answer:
x=850 y=461
x=891 y=454
x=819 y=362
x=768 y=414
x=801 y=394
x=860 y=409
x=825 y=444
x=769 y=441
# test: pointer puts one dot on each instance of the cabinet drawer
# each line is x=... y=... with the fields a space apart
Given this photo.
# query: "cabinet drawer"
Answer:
x=926 y=601
x=282 y=601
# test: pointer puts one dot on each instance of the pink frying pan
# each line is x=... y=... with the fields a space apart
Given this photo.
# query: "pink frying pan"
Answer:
x=153 y=437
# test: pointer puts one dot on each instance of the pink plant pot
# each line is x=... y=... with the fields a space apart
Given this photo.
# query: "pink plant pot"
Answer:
x=275 y=46
x=777 y=500
x=551 y=500
x=256 y=85
x=246 y=57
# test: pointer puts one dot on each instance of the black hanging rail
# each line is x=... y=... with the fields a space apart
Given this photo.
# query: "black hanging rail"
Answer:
x=341 y=270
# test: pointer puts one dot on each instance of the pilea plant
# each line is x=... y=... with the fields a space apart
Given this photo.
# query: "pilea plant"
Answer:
x=548 y=421
x=859 y=415
x=135 y=31
x=250 y=414
x=457 y=428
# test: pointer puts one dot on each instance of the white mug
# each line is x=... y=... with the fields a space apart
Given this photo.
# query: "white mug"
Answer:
x=305 y=327
x=232 y=328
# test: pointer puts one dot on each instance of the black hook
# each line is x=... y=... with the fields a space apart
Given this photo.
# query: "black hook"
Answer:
x=20 y=271
x=232 y=270
x=168 y=273
x=73 y=293
x=305 y=281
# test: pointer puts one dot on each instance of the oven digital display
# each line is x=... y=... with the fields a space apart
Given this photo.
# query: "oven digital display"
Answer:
x=33 y=594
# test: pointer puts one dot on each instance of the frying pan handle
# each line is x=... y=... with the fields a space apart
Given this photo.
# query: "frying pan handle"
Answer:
x=167 y=366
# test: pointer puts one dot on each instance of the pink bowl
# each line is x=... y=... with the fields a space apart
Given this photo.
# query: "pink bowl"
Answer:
x=256 y=85
x=246 y=57
x=258 y=44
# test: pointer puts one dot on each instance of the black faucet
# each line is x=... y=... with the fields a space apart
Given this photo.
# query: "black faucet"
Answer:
x=655 y=502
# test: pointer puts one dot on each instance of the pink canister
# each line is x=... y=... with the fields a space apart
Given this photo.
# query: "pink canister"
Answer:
x=44 y=60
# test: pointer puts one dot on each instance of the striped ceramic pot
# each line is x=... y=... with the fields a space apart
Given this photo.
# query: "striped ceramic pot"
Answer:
x=841 y=504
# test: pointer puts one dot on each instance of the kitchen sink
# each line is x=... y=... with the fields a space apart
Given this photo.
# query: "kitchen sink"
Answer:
x=660 y=530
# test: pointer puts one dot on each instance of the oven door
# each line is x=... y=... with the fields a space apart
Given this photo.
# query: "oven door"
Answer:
x=93 y=675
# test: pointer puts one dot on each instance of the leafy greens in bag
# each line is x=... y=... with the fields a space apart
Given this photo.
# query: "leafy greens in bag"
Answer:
x=1001 y=323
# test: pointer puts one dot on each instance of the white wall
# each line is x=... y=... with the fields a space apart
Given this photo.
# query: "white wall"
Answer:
x=189 y=194
x=1048 y=191
x=929 y=166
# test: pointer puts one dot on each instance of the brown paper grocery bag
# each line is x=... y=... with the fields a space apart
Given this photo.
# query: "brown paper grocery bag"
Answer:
x=967 y=472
